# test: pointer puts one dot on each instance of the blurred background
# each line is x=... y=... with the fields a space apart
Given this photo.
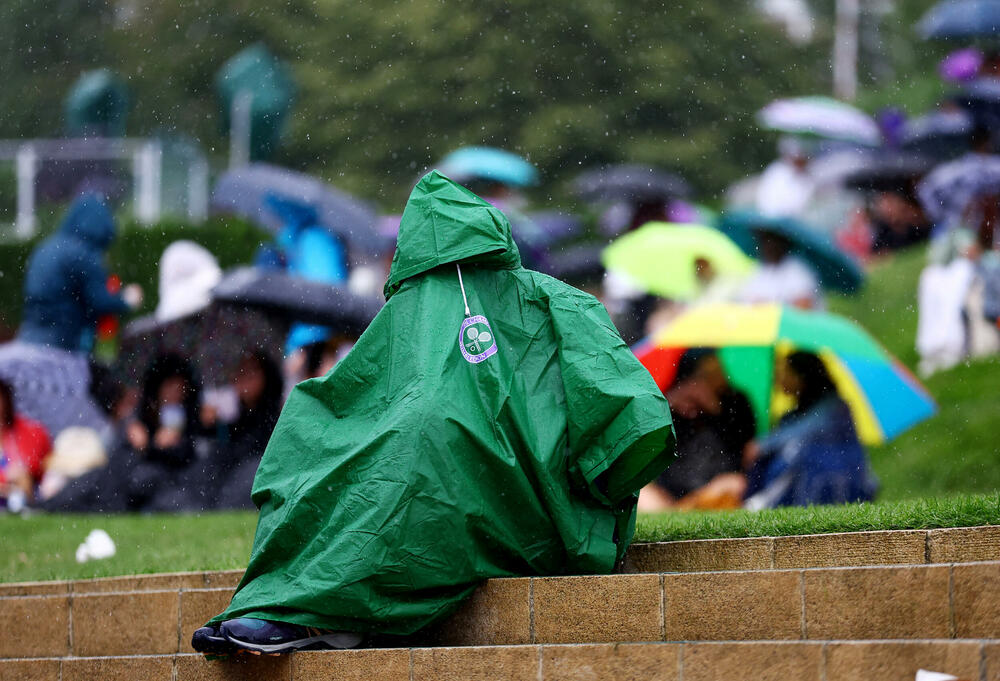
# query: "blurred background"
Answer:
x=823 y=172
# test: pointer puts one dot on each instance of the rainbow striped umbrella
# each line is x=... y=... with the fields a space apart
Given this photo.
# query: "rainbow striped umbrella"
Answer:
x=884 y=397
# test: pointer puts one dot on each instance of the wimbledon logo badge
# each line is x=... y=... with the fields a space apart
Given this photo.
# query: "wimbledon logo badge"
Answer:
x=476 y=339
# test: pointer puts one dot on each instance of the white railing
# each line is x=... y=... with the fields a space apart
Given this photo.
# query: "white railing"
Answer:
x=146 y=156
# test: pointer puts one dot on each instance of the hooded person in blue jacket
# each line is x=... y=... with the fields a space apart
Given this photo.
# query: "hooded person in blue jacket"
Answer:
x=65 y=293
x=65 y=287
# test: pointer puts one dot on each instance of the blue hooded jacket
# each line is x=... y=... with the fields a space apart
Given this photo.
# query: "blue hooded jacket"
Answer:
x=65 y=287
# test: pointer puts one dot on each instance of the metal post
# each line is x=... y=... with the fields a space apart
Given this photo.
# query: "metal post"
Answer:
x=197 y=190
x=147 y=164
x=27 y=165
x=845 y=50
x=240 y=128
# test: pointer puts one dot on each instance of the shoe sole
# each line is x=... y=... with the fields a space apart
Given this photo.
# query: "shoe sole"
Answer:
x=339 y=641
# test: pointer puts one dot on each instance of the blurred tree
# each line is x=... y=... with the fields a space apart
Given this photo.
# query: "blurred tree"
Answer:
x=47 y=44
x=387 y=88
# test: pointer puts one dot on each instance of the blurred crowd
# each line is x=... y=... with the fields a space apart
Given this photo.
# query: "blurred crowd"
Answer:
x=774 y=399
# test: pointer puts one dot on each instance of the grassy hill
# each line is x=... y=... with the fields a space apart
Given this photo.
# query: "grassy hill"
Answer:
x=956 y=451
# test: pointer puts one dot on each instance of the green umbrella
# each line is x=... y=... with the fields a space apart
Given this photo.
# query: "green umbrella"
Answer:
x=663 y=258
x=489 y=422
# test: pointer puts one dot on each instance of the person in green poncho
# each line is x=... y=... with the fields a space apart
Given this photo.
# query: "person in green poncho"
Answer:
x=490 y=422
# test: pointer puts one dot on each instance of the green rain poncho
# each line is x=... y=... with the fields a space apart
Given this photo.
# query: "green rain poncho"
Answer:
x=448 y=447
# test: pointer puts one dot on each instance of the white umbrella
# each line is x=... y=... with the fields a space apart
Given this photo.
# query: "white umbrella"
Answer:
x=822 y=117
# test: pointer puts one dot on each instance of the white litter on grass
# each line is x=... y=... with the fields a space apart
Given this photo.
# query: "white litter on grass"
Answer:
x=97 y=546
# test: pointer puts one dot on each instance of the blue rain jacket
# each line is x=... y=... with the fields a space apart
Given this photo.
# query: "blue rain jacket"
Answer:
x=65 y=286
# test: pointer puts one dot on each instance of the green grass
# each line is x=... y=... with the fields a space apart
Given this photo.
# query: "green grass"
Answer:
x=957 y=511
x=42 y=547
x=958 y=450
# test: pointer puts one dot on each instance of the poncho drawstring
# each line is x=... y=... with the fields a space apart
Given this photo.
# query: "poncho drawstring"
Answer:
x=462 y=286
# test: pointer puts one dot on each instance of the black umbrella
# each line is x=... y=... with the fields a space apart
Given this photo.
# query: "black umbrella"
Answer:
x=297 y=299
x=579 y=263
x=961 y=19
x=939 y=135
x=890 y=172
x=981 y=98
x=632 y=183
x=555 y=225
x=214 y=339
x=243 y=192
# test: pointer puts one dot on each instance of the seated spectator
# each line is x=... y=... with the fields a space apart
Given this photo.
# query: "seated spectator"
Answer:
x=259 y=390
x=24 y=446
x=897 y=222
x=781 y=277
x=714 y=422
x=77 y=451
x=813 y=456
x=147 y=466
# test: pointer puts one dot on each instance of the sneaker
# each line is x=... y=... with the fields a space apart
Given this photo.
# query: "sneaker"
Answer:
x=209 y=641
x=264 y=636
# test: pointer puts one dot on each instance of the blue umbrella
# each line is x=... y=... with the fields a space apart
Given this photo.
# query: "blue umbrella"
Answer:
x=836 y=270
x=488 y=163
x=961 y=19
x=244 y=191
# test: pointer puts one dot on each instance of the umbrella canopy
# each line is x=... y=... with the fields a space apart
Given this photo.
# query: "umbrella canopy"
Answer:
x=961 y=19
x=556 y=225
x=298 y=299
x=488 y=163
x=214 y=339
x=885 y=399
x=822 y=117
x=577 y=264
x=949 y=189
x=662 y=258
x=632 y=183
x=243 y=192
x=836 y=270
x=939 y=135
x=97 y=105
x=266 y=87
x=889 y=171
x=981 y=98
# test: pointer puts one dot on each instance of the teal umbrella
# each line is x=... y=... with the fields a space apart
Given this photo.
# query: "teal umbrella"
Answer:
x=836 y=270
x=267 y=85
x=97 y=104
x=490 y=164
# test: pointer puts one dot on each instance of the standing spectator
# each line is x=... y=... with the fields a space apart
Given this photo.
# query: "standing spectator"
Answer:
x=65 y=292
x=786 y=187
x=781 y=277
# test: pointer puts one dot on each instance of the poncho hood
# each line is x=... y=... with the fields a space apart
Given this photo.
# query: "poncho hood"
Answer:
x=444 y=223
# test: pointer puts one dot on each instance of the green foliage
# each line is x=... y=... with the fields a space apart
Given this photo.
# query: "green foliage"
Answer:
x=386 y=89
